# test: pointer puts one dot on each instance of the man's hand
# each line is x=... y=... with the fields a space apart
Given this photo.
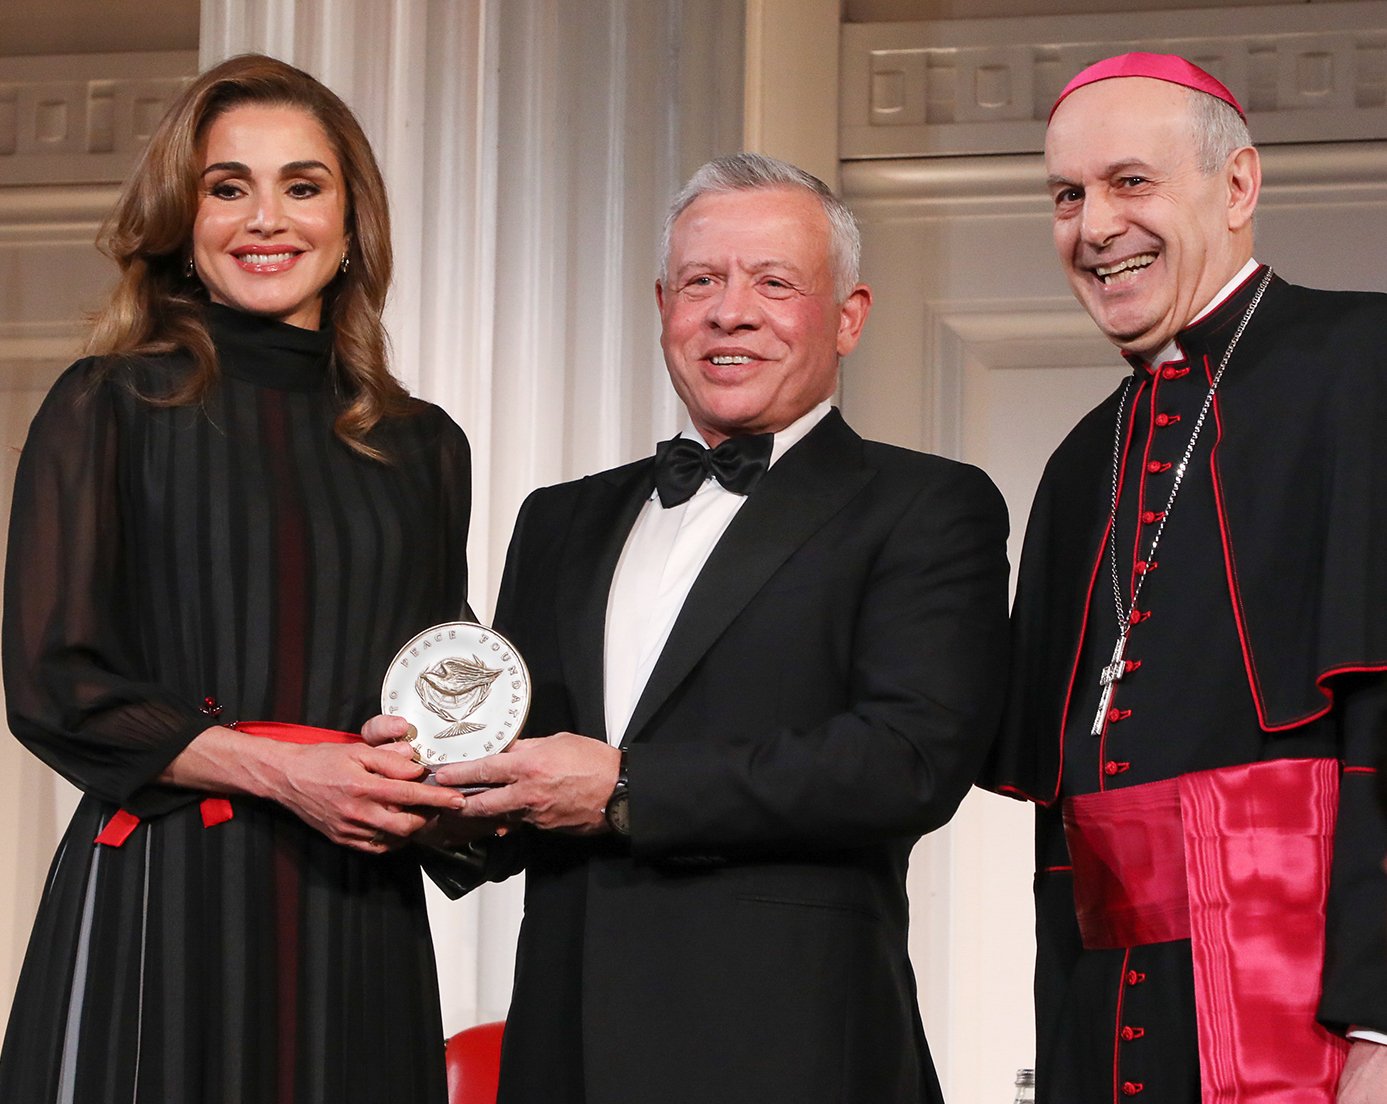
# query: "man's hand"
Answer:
x=1364 y=1080
x=560 y=782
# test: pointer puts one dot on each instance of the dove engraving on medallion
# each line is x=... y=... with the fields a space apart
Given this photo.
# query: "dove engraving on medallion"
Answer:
x=440 y=676
x=453 y=689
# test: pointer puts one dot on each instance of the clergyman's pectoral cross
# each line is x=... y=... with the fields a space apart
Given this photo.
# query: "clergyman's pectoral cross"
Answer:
x=1109 y=678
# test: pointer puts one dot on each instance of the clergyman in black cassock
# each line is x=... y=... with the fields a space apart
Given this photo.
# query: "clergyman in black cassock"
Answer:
x=1243 y=713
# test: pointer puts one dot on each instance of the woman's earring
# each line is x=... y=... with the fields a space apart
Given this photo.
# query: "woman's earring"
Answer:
x=188 y=270
x=346 y=262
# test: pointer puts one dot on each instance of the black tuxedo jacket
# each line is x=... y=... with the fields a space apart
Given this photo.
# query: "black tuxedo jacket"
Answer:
x=825 y=697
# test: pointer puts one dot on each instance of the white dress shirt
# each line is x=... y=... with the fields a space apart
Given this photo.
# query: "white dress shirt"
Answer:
x=664 y=553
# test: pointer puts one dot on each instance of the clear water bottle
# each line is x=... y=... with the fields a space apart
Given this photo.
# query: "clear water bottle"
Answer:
x=1025 y=1087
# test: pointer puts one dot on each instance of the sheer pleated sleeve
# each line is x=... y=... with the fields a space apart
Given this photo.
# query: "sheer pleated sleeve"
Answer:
x=76 y=691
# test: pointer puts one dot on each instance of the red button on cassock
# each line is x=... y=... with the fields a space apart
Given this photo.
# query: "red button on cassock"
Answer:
x=1134 y=977
x=1131 y=1088
x=1155 y=467
x=1167 y=419
x=1174 y=373
x=1130 y=1033
x=1112 y=767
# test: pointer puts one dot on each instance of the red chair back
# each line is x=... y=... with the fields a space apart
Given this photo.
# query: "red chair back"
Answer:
x=474 y=1064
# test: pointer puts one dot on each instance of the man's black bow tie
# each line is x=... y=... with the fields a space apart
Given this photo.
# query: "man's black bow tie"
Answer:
x=682 y=466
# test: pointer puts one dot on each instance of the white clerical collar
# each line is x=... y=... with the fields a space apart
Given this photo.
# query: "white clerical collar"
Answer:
x=786 y=438
x=1172 y=350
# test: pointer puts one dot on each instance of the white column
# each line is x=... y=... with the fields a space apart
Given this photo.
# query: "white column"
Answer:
x=791 y=103
x=530 y=148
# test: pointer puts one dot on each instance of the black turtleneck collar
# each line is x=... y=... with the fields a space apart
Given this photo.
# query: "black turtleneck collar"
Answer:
x=1212 y=333
x=269 y=353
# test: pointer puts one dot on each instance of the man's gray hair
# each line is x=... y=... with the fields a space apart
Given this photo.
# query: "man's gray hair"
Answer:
x=740 y=172
x=1218 y=131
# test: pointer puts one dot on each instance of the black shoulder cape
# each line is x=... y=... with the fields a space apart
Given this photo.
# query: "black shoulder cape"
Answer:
x=1301 y=448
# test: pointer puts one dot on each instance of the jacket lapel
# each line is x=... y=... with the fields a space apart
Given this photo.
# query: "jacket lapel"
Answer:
x=807 y=486
x=603 y=518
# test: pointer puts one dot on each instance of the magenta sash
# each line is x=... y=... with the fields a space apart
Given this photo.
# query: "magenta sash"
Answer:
x=1238 y=859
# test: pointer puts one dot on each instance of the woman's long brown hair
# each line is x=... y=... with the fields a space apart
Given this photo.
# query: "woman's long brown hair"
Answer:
x=155 y=308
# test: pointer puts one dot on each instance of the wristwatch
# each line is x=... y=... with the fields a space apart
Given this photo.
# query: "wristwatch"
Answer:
x=618 y=810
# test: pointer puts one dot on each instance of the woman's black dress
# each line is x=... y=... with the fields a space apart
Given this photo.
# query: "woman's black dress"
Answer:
x=235 y=551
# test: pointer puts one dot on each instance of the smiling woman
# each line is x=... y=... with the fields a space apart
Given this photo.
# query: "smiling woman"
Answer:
x=242 y=142
x=231 y=515
x=270 y=232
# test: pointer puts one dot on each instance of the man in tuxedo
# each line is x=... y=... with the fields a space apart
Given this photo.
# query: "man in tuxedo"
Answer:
x=765 y=661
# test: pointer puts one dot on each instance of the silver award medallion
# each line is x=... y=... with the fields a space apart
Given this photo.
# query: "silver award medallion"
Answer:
x=463 y=687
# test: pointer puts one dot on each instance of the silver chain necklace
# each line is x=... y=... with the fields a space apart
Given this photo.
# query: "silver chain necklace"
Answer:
x=1112 y=674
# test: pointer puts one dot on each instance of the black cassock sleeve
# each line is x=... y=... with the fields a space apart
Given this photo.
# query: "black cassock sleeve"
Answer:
x=1355 y=967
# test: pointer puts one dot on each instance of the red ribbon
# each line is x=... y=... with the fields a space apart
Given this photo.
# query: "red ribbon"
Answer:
x=1240 y=859
x=217 y=810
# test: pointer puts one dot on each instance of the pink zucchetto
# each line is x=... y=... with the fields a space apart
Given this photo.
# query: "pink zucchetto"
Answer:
x=1165 y=67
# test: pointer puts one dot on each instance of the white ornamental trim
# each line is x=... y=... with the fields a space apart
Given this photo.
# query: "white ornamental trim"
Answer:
x=1304 y=72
